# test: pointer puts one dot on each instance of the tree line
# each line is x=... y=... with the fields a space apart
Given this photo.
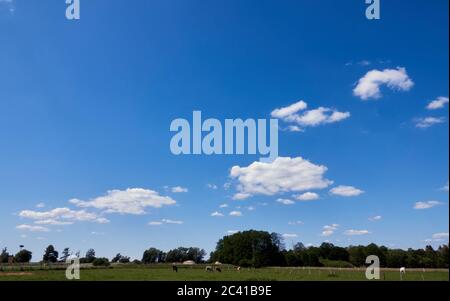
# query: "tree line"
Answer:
x=259 y=249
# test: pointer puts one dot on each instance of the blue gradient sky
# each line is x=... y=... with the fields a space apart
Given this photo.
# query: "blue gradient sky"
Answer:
x=85 y=107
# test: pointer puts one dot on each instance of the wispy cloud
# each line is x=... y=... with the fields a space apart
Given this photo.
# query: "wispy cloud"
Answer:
x=426 y=122
x=285 y=201
x=356 y=232
x=375 y=218
x=31 y=228
x=426 y=205
x=236 y=213
x=438 y=103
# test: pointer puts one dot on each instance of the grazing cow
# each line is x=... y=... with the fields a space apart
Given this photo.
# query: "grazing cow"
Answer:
x=209 y=269
x=218 y=270
x=402 y=270
x=174 y=268
x=238 y=269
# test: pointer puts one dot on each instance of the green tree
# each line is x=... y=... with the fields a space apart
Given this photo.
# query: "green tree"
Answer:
x=4 y=256
x=65 y=254
x=23 y=256
x=153 y=255
x=50 y=254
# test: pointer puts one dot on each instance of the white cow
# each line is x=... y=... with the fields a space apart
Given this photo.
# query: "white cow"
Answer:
x=402 y=272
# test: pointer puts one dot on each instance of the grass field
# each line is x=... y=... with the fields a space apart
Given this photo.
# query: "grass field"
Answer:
x=165 y=273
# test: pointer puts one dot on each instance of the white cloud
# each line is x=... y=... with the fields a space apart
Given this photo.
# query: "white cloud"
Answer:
x=32 y=228
x=346 y=191
x=307 y=196
x=62 y=216
x=235 y=213
x=165 y=221
x=40 y=205
x=241 y=196
x=289 y=236
x=427 y=122
x=212 y=186
x=364 y=63
x=285 y=201
x=155 y=223
x=295 y=223
x=284 y=174
x=231 y=232
x=307 y=118
x=445 y=188
x=328 y=230
x=179 y=189
x=369 y=85
x=216 y=214
x=169 y=221
x=293 y=128
x=375 y=218
x=443 y=235
x=426 y=205
x=356 y=232
x=438 y=103
x=289 y=111
x=223 y=206
x=52 y=222
x=130 y=201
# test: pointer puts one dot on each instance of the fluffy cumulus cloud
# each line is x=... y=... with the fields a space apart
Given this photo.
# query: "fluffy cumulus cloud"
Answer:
x=356 y=232
x=328 y=230
x=62 y=216
x=284 y=174
x=129 y=201
x=368 y=86
x=307 y=196
x=426 y=122
x=426 y=205
x=32 y=228
x=438 y=103
x=346 y=191
x=445 y=188
x=300 y=117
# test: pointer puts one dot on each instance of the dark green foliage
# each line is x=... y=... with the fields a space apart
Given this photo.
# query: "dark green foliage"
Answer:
x=104 y=262
x=23 y=256
x=183 y=254
x=50 y=255
x=153 y=255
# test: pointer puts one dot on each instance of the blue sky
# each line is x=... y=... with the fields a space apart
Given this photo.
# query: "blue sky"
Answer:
x=86 y=106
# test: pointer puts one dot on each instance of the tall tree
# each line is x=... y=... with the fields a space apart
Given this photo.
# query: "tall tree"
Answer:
x=50 y=254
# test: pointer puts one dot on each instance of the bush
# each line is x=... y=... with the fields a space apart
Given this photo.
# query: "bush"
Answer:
x=100 y=262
